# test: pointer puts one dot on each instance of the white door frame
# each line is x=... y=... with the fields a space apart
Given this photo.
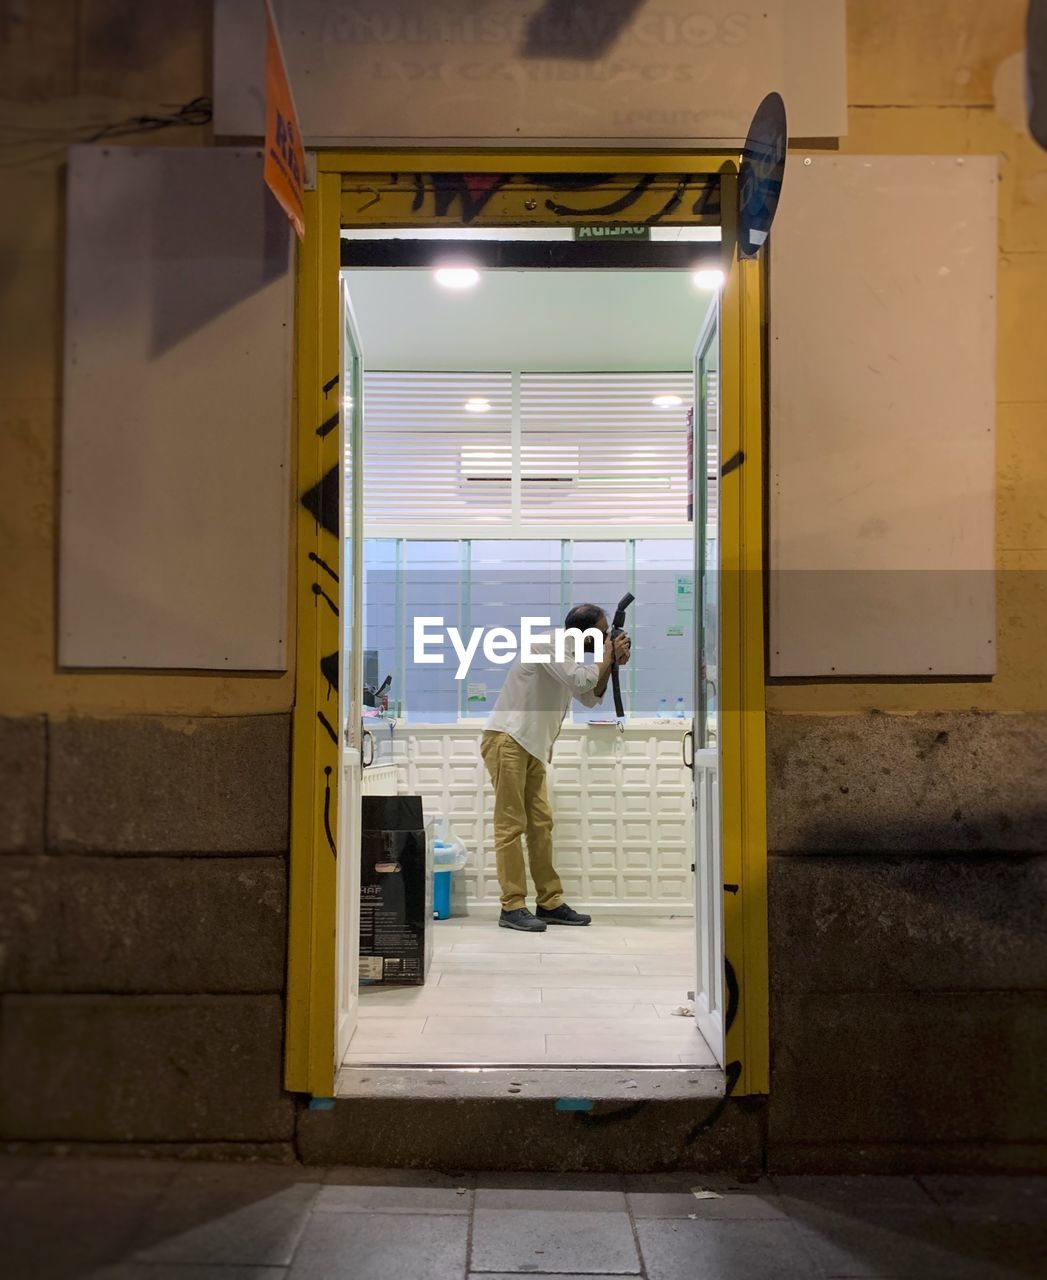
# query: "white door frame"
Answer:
x=350 y=693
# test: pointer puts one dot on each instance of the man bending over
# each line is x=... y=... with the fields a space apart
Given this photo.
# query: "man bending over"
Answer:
x=516 y=746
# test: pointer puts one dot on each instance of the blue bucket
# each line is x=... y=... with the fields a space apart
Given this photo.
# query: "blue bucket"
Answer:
x=441 y=892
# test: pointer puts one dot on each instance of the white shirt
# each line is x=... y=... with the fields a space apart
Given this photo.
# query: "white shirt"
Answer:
x=535 y=697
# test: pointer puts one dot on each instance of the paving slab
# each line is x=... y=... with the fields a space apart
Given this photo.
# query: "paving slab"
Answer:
x=711 y=1248
x=593 y=1192
x=672 y=1195
x=897 y=1243
x=382 y=1247
x=395 y=1191
x=567 y=1240
x=66 y=1219
x=990 y=1199
x=186 y=1271
x=233 y=1215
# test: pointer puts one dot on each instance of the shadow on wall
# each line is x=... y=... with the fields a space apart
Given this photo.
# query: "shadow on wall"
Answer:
x=582 y=29
x=233 y=239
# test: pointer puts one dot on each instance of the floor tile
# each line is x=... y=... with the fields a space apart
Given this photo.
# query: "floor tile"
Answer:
x=672 y=1196
x=681 y=966
x=401 y=1003
x=583 y=999
x=501 y=997
x=394 y=1191
x=669 y=1011
x=574 y=962
x=381 y=1246
x=483 y=962
x=629 y=1050
x=245 y=1215
x=562 y=1241
x=391 y=1033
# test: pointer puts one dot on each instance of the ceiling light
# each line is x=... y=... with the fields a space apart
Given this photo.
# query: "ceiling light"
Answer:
x=477 y=404
x=711 y=278
x=667 y=402
x=457 y=277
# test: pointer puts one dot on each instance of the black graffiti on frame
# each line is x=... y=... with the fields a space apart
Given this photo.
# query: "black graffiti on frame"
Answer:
x=322 y=501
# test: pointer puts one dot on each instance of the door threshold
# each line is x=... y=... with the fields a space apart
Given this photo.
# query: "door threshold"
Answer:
x=600 y=1084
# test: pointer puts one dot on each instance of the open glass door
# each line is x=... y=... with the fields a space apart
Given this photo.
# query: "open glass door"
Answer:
x=350 y=685
x=705 y=766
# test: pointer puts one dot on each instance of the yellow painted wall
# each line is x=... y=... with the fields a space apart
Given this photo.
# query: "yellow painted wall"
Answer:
x=927 y=76
x=66 y=68
x=947 y=77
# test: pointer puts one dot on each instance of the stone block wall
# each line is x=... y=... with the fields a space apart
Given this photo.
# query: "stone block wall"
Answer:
x=143 y=868
x=908 y=891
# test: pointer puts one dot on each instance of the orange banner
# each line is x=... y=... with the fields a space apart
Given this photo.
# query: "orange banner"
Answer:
x=284 y=155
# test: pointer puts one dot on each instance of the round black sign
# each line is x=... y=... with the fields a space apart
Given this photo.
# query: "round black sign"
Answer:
x=760 y=175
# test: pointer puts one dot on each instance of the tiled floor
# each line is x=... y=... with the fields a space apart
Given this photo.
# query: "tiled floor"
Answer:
x=602 y=995
x=158 y=1220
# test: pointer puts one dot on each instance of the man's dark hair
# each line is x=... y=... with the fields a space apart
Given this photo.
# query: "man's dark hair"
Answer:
x=584 y=616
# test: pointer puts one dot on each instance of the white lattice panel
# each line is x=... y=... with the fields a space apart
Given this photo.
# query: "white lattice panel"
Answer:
x=622 y=804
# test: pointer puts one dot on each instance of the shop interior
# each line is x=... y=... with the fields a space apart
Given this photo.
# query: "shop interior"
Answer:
x=528 y=445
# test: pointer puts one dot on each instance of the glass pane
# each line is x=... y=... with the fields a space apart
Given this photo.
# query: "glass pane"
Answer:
x=507 y=580
x=661 y=671
x=381 y=630
x=707 y=453
x=432 y=589
x=600 y=575
x=352 y=407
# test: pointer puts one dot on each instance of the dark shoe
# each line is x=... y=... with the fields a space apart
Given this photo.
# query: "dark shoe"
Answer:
x=520 y=919
x=563 y=914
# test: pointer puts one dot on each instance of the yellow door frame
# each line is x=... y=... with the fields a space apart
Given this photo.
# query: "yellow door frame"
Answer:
x=362 y=188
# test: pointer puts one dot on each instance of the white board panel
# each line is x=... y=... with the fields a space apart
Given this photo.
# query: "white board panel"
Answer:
x=525 y=71
x=176 y=428
x=882 y=417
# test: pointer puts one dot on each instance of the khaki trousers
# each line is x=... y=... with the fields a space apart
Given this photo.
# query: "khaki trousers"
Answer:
x=521 y=807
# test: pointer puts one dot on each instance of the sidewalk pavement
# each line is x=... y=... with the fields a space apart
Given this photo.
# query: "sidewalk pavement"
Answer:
x=126 y=1219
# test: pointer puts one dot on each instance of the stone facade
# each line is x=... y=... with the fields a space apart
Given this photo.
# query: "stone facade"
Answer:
x=143 y=945
x=143 y=988
x=907 y=892
x=144 y=816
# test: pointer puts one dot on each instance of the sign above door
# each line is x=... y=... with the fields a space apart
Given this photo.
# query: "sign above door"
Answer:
x=597 y=72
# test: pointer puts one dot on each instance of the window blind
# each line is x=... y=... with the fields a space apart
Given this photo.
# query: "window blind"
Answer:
x=587 y=449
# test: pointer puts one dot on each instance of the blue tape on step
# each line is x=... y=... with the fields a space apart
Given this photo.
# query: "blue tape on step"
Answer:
x=321 y=1104
x=574 y=1104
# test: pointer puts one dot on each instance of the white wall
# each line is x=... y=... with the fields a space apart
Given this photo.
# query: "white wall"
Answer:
x=622 y=804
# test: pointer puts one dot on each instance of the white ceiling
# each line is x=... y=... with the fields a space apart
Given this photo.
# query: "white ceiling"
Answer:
x=546 y=321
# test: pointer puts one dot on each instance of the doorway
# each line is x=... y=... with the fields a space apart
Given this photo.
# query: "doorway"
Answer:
x=618 y=951
x=526 y=446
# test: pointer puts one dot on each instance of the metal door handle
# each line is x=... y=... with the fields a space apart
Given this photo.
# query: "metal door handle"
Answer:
x=367 y=736
x=688 y=764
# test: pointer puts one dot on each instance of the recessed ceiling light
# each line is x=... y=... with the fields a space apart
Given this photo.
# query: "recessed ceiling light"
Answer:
x=457 y=277
x=711 y=278
x=477 y=404
x=667 y=402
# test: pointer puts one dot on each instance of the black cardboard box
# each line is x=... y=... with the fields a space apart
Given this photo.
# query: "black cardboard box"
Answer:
x=396 y=892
